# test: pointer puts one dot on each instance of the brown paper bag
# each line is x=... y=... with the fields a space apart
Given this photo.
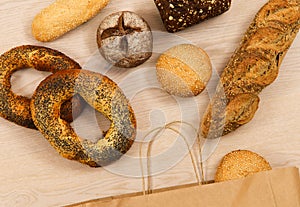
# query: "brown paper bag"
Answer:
x=275 y=188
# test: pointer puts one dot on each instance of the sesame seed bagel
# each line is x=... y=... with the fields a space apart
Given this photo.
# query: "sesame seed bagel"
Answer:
x=239 y=164
x=102 y=94
x=16 y=108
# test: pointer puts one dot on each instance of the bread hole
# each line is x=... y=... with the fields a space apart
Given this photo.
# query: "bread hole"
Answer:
x=91 y=124
x=25 y=81
x=278 y=59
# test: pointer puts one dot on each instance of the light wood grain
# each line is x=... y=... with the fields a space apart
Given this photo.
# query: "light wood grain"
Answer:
x=33 y=174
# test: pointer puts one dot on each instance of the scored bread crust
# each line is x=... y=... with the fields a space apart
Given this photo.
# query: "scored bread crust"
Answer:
x=253 y=66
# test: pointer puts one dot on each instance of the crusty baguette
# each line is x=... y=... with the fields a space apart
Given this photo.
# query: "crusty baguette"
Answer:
x=63 y=16
x=253 y=66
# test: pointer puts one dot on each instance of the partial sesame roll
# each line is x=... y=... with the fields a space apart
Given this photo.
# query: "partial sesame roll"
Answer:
x=240 y=163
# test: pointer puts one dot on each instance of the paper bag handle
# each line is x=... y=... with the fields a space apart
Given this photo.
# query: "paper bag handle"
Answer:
x=159 y=130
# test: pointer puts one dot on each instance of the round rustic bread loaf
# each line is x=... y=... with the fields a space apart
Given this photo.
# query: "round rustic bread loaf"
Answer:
x=184 y=70
x=239 y=164
x=125 y=39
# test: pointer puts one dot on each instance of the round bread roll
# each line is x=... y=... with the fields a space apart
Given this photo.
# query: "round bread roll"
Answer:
x=125 y=39
x=239 y=164
x=184 y=70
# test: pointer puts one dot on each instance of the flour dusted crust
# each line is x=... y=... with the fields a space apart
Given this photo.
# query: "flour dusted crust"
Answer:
x=239 y=164
x=253 y=66
x=125 y=39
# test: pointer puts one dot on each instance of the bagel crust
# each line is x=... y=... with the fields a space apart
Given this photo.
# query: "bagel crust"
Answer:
x=102 y=94
x=16 y=108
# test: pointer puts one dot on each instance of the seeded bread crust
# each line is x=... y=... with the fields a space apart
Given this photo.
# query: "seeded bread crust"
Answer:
x=239 y=164
x=16 y=108
x=253 y=66
x=180 y=14
x=102 y=94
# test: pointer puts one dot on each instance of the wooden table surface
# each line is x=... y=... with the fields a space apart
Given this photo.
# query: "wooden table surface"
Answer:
x=33 y=174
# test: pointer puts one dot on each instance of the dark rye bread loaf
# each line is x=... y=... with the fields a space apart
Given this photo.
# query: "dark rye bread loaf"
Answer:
x=180 y=14
x=253 y=66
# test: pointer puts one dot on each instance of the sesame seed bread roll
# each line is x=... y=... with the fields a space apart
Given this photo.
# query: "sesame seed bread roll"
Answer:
x=253 y=66
x=184 y=70
x=239 y=164
x=63 y=16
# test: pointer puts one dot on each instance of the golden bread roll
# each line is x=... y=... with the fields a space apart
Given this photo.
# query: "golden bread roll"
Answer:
x=184 y=70
x=253 y=66
x=63 y=16
x=239 y=164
